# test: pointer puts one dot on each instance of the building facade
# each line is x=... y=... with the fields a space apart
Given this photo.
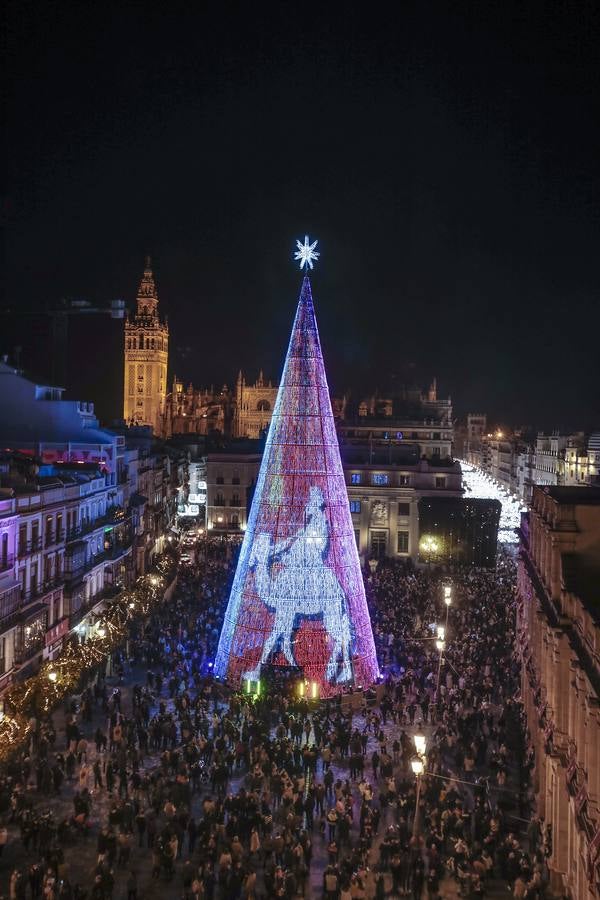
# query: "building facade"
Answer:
x=254 y=404
x=146 y=359
x=518 y=462
x=558 y=637
x=83 y=512
x=230 y=479
x=383 y=492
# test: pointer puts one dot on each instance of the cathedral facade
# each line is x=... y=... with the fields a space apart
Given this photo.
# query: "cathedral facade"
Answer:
x=146 y=358
x=254 y=404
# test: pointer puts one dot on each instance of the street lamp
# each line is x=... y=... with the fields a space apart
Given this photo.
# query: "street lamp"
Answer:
x=418 y=766
x=420 y=743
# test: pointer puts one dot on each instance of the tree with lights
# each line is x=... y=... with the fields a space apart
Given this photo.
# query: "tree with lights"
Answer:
x=298 y=596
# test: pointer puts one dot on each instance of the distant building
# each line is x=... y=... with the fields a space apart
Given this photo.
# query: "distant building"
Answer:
x=197 y=411
x=243 y=413
x=518 y=461
x=231 y=475
x=146 y=359
x=254 y=404
x=411 y=419
x=558 y=636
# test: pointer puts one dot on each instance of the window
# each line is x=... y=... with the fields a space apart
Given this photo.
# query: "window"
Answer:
x=219 y=501
x=404 y=509
x=378 y=544
x=355 y=506
x=404 y=480
x=403 y=542
x=355 y=478
x=263 y=406
x=220 y=479
x=235 y=500
x=440 y=481
x=380 y=478
x=357 y=537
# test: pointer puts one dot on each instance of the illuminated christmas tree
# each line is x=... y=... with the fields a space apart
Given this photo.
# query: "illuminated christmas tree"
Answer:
x=298 y=596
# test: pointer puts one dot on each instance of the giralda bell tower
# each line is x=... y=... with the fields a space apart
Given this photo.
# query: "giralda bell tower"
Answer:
x=146 y=357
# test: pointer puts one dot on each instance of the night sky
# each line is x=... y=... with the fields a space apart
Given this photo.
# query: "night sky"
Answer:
x=446 y=157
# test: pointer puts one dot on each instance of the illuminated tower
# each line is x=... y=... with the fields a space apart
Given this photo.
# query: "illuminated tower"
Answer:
x=146 y=356
x=298 y=596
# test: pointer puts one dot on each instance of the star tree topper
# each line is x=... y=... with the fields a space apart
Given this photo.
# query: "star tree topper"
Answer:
x=306 y=253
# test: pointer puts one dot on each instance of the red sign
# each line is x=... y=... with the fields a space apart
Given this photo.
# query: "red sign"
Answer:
x=57 y=631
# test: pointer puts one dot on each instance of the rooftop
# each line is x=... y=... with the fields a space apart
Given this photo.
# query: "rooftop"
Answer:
x=574 y=495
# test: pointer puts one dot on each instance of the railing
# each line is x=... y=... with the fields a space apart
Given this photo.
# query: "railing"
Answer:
x=87 y=526
x=30 y=547
x=106 y=556
x=26 y=653
x=6 y=564
x=80 y=613
x=55 y=538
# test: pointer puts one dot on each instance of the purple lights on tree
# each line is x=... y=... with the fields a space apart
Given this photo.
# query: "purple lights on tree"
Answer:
x=298 y=596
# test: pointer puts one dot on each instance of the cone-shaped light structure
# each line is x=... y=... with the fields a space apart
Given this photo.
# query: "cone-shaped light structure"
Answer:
x=298 y=596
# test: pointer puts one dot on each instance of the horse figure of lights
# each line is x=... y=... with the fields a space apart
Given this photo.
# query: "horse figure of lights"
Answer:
x=302 y=587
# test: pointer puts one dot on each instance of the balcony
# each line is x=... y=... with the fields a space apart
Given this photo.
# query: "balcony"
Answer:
x=109 y=593
x=53 y=538
x=7 y=564
x=87 y=526
x=30 y=547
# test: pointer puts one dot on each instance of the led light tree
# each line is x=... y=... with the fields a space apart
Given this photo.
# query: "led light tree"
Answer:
x=298 y=596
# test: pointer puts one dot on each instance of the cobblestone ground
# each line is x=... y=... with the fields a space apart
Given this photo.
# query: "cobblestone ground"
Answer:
x=81 y=853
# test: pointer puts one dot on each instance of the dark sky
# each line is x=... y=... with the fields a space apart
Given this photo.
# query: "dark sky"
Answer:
x=446 y=156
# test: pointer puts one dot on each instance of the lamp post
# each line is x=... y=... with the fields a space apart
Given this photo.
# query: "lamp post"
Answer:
x=440 y=645
x=418 y=767
x=447 y=600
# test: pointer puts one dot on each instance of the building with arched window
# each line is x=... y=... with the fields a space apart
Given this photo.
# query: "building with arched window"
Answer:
x=254 y=406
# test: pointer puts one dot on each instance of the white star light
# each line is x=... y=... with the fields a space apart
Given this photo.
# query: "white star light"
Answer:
x=306 y=253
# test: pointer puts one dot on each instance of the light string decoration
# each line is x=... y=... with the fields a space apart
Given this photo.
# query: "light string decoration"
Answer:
x=40 y=693
x=298 y=597
x=479 y=484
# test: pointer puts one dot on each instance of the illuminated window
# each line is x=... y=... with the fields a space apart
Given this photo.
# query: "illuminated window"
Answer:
x=355 y=506
x=355 y=478
x=404 y=480
x=403 y=542
x=380 y=478
x=440 y=481
x=378 y=543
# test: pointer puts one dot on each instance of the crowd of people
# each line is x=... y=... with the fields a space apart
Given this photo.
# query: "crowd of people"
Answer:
x=159 y=781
